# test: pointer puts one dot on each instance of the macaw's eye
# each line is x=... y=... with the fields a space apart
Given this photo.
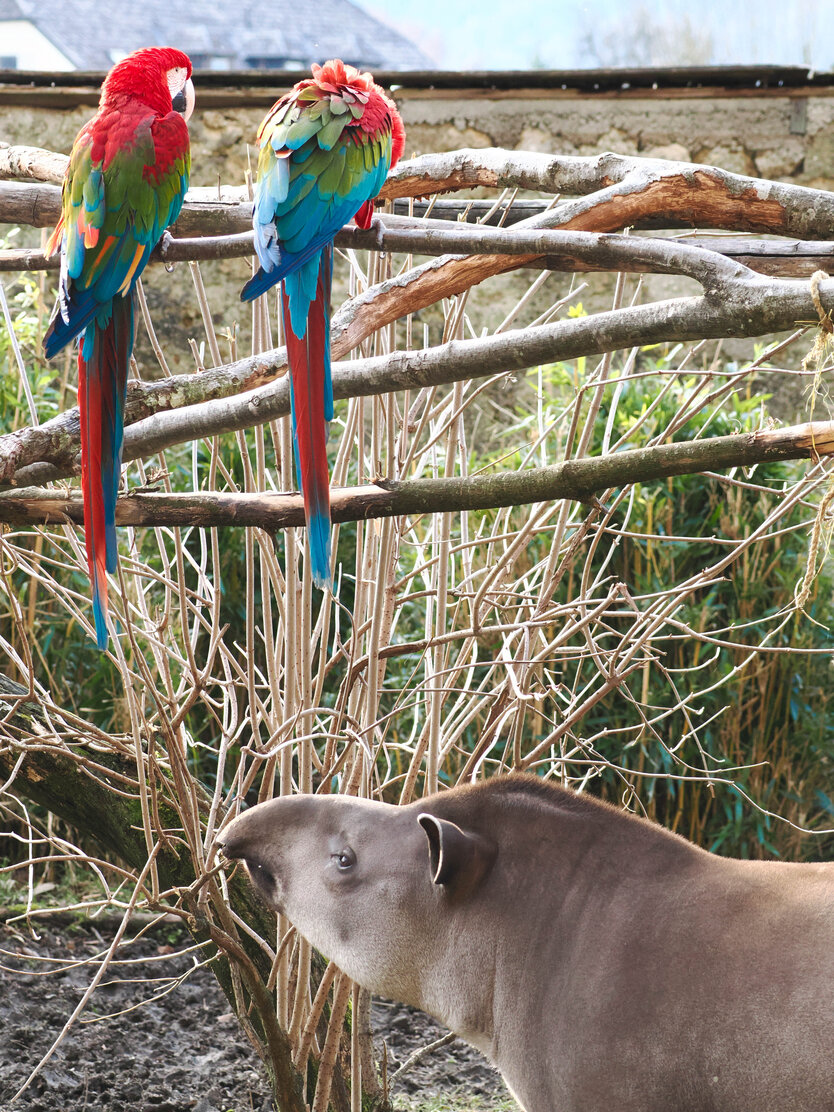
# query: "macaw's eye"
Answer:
x=344 y=860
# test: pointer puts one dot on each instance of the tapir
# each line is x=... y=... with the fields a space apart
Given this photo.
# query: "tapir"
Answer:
x=599 y=961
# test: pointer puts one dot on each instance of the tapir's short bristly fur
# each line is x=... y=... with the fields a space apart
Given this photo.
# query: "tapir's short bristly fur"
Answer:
x=599 y=961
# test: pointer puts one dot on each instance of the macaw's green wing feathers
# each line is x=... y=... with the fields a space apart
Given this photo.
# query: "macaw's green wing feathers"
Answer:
x=118 y=198
x=325 y=150
x=126 y=180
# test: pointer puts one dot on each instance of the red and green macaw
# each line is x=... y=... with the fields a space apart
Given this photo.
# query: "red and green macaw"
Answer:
x=126 y=180
x=325 y=150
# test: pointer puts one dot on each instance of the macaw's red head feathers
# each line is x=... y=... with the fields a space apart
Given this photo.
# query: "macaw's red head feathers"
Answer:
x=159 y=76
x=380 y=112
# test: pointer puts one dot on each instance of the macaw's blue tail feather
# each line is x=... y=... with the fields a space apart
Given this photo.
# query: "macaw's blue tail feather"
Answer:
x=103 y=359
x=312 y=410
x=261 y=281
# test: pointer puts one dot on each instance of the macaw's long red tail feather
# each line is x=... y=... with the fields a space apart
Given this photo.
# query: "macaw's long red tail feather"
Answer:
x=103 y=359
x=312 y=410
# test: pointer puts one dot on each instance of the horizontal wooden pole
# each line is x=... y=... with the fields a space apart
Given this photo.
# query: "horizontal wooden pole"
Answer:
x=578 y=479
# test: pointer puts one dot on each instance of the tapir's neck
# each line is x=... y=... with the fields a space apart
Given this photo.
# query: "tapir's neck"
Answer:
x=559 y=882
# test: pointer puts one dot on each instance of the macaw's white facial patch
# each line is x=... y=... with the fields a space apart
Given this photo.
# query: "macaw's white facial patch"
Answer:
x=181 y=90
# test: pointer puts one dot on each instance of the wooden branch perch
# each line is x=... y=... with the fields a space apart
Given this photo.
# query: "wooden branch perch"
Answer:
x=793 y=259
x=742 y=305
x=753 y=204
x=735 y=302
x=576 y=479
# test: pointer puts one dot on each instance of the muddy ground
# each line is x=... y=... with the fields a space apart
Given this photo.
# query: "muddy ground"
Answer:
x=181 y=1051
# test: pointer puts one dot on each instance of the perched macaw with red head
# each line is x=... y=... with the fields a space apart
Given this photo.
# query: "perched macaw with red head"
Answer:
x=325 y=150
x=126 y=180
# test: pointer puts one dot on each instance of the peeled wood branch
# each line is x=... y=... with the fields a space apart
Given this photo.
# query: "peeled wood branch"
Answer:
x=577 y=176
x=792 y=259
x=31 y=163
x=744 y=306
x=704 y=196
x=576 y=479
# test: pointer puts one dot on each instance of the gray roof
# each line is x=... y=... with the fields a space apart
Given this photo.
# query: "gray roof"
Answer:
x=232 y=34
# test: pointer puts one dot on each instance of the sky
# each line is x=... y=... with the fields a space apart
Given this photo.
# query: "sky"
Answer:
x=557 y=34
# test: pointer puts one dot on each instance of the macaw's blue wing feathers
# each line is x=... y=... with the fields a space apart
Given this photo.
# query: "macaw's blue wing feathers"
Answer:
x=82 y=306
x=286 y=263
x=325 y=151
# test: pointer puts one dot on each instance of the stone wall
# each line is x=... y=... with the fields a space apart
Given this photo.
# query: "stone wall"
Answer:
x=771 y=135
x=781 y=133
x=770 y=132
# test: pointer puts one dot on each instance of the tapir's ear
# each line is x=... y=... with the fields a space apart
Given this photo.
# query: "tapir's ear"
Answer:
x=456 y=857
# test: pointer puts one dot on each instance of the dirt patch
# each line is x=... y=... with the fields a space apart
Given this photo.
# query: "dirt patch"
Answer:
x=141 y=1047
x=456 y=1071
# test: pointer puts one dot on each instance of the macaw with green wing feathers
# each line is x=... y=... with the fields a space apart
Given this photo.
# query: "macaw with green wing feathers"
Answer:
x=125 y=182
x=325 y=151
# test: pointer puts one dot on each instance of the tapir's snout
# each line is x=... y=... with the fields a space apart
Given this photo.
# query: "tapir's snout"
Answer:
x=238 y=843
x=233 y=843
x=231 y=847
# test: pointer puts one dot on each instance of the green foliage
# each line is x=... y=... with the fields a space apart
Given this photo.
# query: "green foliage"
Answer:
x=766 y=726
x=25 y=301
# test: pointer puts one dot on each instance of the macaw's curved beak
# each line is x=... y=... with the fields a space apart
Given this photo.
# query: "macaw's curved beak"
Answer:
x=183 y=101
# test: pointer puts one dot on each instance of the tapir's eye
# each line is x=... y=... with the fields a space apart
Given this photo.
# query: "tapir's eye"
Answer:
x=345 y=859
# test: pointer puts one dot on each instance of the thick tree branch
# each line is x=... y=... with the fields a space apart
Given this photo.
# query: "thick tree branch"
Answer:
x=31 y=163
x=751 y=306
x=93 y=787
x=578 y=176
x=577 y=479
x=564 y=250
x=792 y=259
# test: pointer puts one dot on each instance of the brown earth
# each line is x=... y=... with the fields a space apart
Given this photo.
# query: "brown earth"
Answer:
x=181 y=1051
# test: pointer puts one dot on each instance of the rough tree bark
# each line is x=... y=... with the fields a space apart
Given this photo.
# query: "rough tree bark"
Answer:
x=93 y=788
x=577 y=479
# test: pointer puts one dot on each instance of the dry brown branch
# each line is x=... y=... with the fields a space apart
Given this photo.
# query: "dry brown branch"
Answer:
x=576 y=479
